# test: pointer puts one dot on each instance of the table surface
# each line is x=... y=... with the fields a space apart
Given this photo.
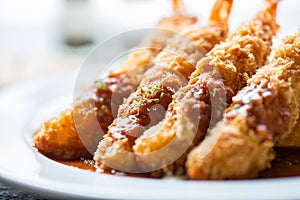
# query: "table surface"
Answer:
x=7 y=192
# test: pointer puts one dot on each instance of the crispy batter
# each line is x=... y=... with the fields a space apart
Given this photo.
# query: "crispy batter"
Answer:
x=201 y=103
x=67 y=145
x=58 y=138
x=171 y=69
x=264 y=111
x=291 y=140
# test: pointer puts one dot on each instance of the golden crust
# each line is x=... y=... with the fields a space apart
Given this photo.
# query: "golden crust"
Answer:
x=188 y=50
x=58 y=138
x=232 y=62
x=242 y=146
x=229 y=150
x=291 y=140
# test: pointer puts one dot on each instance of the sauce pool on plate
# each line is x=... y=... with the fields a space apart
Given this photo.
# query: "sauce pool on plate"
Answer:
x=286 y=164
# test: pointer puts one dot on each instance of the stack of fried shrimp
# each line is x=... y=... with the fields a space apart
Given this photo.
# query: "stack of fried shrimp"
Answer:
x=263 y=112
x=172 y=67
x=219 y=76
x=196 y=136
x=59 y=139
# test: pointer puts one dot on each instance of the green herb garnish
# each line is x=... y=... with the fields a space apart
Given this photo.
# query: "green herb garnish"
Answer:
x=161 y=95
x=100 y=85
x=215 y=90
x=155 y=90
x=155 y=100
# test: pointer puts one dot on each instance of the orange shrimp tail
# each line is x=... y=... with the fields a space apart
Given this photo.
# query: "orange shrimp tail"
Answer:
x=179 y=8
x=221 y=11
x=272 y=7
x=268 y=15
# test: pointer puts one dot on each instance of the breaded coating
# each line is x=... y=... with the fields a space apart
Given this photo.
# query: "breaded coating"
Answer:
x=144 y=107
x=219 y=76
x=291 y=140
x=263 y=112
x=59 y=139
x=68 y=145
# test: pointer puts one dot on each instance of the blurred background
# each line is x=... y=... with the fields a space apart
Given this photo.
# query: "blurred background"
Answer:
x=49 y=37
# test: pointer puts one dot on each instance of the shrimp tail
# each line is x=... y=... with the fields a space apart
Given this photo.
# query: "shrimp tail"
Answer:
x=179 y=8
x=221 y=11
x=268 y=15
x=272 y=7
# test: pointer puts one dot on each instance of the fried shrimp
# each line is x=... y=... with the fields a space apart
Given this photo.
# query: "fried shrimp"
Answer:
x=59 y=139
x=145 y=107
x=219 y=76
x=263 y=112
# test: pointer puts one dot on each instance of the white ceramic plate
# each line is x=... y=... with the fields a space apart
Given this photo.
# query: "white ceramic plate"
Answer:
x=23 y=107
x=21 y=166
